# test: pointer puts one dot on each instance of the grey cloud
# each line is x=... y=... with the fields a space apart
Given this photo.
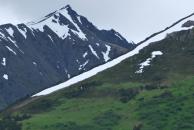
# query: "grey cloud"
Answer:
x=135 y=19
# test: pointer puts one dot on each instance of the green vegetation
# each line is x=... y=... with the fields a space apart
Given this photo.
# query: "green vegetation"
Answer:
x=161 y=98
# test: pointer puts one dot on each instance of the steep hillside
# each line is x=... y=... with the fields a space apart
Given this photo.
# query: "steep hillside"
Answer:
x=152 y=90
x=51 y=50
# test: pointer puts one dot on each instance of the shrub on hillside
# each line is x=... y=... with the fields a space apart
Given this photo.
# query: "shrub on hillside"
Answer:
x=127 y=94
x=8 y=123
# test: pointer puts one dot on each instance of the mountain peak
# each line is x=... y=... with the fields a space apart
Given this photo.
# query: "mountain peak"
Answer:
x=66 y=21
x=62 y=22
x=52 y=49
x=67 y=10
x=66 y=7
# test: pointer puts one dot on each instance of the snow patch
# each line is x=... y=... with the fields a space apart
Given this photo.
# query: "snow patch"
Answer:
x=10 y=32
x=60 y=29
x=79 y=19
x=14 y=42
x=148 y=61
x=5 y=76
x=3 y=61
x=85 y=54
x=51 y=38
x=97 y=44
x=34 y=63
x=156 y=53
x=23 y=32
x=83 y=65
x=11 y=50
x=106 y=54
x=2 y=35
x=93 y=51
x=77 y=61
x=68 y=75
x=119 y=36
x=79 y=32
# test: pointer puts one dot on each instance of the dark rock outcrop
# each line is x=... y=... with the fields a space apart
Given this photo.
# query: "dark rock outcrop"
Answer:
x=189 y=23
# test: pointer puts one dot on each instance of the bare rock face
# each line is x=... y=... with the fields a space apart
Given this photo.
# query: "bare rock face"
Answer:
x=189 y=23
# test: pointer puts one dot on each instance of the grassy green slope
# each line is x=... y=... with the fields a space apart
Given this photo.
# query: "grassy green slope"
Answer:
x=119 y=99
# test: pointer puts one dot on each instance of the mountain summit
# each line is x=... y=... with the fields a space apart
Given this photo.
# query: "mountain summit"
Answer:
x=43 y=53
x=65 y=22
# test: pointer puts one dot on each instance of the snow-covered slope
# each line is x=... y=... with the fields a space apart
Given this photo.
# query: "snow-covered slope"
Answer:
x=177 y=26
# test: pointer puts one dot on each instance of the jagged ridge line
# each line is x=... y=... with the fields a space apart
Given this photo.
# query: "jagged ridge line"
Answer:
x=167 y=28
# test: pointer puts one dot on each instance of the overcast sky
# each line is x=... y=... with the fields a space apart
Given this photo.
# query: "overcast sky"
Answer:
x=134 y=19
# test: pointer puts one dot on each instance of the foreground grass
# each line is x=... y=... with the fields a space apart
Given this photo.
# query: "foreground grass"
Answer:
x=95 y=110
x=168 y=108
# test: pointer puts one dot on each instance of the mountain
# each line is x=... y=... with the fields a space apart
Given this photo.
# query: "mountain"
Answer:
x=61 y=45
x=177 y=26
x=149 y=88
